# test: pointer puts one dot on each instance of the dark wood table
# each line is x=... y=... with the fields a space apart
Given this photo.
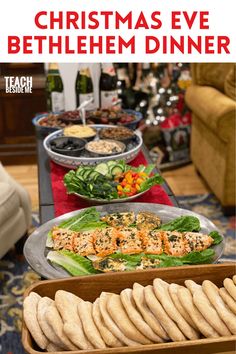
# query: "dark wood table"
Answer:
x=46 y=203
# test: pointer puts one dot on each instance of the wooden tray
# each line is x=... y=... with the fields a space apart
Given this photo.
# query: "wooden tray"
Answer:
x=90 y=287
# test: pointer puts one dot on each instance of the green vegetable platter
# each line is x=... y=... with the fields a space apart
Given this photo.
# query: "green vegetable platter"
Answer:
x=122 y=237
x=113 y=181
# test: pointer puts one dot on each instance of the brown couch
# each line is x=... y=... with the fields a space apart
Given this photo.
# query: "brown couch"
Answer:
x=211 y=97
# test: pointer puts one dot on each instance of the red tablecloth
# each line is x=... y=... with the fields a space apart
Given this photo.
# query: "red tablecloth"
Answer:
x=64 y=203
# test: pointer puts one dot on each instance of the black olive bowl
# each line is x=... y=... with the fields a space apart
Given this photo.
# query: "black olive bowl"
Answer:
x=68 y=145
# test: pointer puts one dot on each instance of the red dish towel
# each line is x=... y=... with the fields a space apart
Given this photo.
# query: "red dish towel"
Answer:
x=64 y=203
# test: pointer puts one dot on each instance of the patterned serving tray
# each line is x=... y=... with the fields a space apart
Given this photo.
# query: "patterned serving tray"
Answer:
x=131 y=151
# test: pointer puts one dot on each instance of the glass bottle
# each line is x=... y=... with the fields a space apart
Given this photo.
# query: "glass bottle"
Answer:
x=54 y=89
x=108 y=86
x=84 y=86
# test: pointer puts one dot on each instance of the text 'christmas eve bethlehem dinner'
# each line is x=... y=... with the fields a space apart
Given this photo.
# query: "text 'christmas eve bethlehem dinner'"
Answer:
x=77 y=42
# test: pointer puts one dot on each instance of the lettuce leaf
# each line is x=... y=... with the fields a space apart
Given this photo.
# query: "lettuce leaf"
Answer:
x=150 y=182
x=77 y=265
x=80 y=221
x=130 y=261
x=140 y=168
x=133 y=260
x=201 y=257
x=73 y=263
x=182 y=224
x=71 y=186
x=92 y=226
x=205 y=256
x=170 y=262
x=216 y=237
x=49 y=241
x=148 y=169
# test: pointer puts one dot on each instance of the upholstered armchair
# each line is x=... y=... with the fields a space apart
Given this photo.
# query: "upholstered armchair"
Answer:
x=212 y=99
x=15 y=212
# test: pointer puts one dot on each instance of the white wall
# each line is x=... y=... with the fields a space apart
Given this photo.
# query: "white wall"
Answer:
x=68 y=72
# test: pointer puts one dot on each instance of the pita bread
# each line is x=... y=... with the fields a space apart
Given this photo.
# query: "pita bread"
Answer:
x=234 y=279
x=67 y=303
x=120 y=317
x=230 y=287
x=30 y=309
x=43 y=305
x=192 y=286
x=73 y=332
x=172 y=330
x=54 y=319
x=106 y=334
x=85 y=313
x=161 y=291
x=209 y=313
x=130 y=307
x=204 y=327
x=173 y=291
x=151 y=320
x=228 y=300
x=110 y=323
x=224 y=312
x=53 y=348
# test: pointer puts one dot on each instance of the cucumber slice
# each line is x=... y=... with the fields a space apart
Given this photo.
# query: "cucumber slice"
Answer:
x=111 y=163
x=93 y=175
x=79 y=177
x=116 y=170
x=98 y=178
x=102 y=168
x=87 y=173
x=79 y=171
x=85 y=169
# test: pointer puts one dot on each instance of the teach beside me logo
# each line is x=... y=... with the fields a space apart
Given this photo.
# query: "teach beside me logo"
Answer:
x=18 y=84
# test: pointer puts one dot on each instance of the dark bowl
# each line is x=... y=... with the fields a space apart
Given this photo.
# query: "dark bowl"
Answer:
x=125 y=140
x=67 y=145
x=116 y=120
x=133 y=124
x=87 y=138
x=43 y=130
x=96 y=153
x=70 y=117
x=102 y=120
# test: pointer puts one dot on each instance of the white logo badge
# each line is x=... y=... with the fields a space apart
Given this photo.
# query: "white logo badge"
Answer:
x=18 y=84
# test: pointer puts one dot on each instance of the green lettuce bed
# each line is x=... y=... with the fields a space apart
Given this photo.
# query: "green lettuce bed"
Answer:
x=89 y=219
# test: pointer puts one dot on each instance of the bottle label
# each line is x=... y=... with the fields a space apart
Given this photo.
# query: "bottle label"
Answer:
x=108 y=98
x=85 y=97
x=58 y=103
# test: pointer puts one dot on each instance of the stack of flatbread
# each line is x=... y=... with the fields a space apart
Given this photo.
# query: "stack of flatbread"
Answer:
x=142 y=315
